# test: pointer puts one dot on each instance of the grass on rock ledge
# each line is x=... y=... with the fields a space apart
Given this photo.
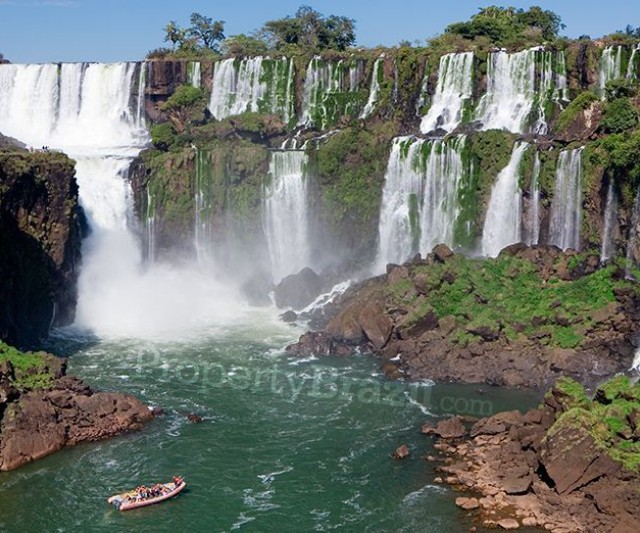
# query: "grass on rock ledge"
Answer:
x=508 y=295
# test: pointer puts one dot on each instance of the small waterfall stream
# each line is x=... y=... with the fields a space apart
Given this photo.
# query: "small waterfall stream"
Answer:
x=566 y=207
x=285 y=213
x=454 y=89
x=502 y=225
x=607 y=249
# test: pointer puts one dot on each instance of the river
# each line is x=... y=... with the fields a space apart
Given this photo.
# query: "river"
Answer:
x=285 y=444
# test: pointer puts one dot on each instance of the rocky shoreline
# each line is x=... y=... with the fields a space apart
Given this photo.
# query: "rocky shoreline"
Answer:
x=549 y=468
x=35 y=422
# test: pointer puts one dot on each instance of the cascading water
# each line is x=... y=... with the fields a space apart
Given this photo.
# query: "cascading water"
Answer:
x=202 y=234
x=533 y=221
x=150 y=228
x=91 y=111
x=423 y=96
x=502 y=225
x=258 y=85
x=376 y=76
x=633 y=237
x=453 y=91
x=515 y=82
x=610 y=66
x=194 y=76
x=327 y=96
x=566 y=207
x=633 y=68
x=610 y=216
x=420 y=198
x=285 y=213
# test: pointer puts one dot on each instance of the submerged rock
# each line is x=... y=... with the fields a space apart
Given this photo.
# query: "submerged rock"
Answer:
x=402 y=452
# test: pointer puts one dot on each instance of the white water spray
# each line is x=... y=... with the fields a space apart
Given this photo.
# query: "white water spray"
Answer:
x=610 y=216
x=92 y=112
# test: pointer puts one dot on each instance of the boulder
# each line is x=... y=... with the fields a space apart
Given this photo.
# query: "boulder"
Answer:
x=452 y=428
x=572 y=459
x=508 y=523
x=298 y=290
x=42 y=422
x=402 y=452
x=468 y=504
x=375 y=324
x=289 y=316
x=441 y=253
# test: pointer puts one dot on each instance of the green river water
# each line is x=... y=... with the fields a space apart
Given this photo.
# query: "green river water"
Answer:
x=285 y=444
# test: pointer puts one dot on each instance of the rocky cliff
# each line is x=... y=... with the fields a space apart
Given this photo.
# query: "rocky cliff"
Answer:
x=40 y=234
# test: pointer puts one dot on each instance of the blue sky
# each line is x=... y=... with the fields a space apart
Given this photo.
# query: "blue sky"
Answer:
x=35 y=31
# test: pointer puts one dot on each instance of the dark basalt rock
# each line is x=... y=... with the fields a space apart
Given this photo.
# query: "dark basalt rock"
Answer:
x=41 y=226
x=298 y=290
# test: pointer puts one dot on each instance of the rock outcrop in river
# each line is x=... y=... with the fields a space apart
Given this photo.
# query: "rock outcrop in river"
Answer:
x=43 y=410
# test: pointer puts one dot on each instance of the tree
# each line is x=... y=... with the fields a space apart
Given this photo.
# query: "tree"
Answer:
x=206 y=31
x=547 y=21
x=174 y=34
x=244 y=45
x=203 y=34
x=311 y=30
x=502 y=24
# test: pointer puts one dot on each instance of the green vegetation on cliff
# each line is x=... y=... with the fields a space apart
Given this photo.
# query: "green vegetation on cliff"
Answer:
x=509 y=296
x=611 y=417
x=30 y=370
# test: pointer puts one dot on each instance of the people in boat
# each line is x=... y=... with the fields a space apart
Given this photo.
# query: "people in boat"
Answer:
x=177 y=480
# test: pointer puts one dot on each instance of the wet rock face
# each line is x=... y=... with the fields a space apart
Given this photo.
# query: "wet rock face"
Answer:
x=298 y=290
x=40 y=235
x=38 y=423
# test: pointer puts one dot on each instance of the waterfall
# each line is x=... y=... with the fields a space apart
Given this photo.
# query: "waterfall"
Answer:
x=632 y=67
x=150 y=228
x=610 y=216
x=376 y=77
x=285 y=213
x=502 y=225
x=552 y=86
x=515 y=82
x=194 y=77
x=326 y=95
x=420 y=197
x=202 y=234
x=566 y=207
x=257 y=85
x=92 y=112
x=610 y=66
x=423 y=96
x=453 y=91
x=533 y=234
x=632 y=240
